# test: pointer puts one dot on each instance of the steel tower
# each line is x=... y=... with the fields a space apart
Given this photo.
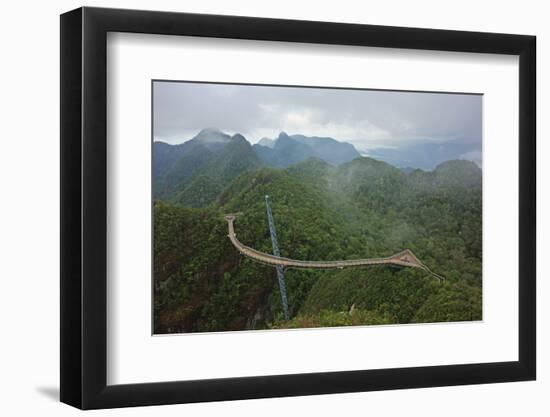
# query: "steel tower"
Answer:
x=280 y=270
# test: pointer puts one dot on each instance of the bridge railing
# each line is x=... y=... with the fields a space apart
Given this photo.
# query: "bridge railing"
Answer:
x=273 y=260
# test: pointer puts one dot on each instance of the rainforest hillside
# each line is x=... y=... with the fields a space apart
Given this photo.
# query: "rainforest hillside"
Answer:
x=359 y=208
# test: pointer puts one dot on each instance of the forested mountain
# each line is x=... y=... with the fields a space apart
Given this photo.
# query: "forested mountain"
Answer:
x=287 y=150
x=207 y=162
x=323 y=211
x=193 y=173
x=284 y=152
x=329 y=149
x=202 y=165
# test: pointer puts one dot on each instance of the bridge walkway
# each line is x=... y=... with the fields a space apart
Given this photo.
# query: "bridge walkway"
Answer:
x=405 y=258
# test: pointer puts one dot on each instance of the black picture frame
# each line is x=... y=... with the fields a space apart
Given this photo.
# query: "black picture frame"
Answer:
x=84 y=207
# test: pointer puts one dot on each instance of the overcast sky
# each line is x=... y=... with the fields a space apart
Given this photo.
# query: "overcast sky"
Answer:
x=368 y=119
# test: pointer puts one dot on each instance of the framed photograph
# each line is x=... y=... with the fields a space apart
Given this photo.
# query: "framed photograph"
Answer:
x=257 y=207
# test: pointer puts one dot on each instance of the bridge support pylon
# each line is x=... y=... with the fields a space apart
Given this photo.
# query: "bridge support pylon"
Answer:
x=280 y=270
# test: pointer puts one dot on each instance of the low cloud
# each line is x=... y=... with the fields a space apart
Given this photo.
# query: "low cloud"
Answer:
x=369 y=119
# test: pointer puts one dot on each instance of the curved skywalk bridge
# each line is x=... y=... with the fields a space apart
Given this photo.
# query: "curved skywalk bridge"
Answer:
x=402 y=259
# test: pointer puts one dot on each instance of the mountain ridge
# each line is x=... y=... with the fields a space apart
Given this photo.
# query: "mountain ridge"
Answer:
x=364 y=208
x=211 y=159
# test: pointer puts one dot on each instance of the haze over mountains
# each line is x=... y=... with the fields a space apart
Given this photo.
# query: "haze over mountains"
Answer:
x=213 y=158
x=403 y=179
x=204 y=165
x=286 y=150
x=425 y=155
x=324 y=210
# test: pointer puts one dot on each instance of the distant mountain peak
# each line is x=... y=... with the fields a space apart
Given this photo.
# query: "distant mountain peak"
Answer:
x=283 y=135
x=457 y=172
x=268 y=143
x=212 y=135
x=426 y=155
x=287 y=149
x=206 y=162
x=363 y=161
x=458 y=164
x=213 y=139
x=209 y=131
x=237 y=137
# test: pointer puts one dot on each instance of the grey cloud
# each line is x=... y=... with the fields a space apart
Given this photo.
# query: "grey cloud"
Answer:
x=369 y=119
